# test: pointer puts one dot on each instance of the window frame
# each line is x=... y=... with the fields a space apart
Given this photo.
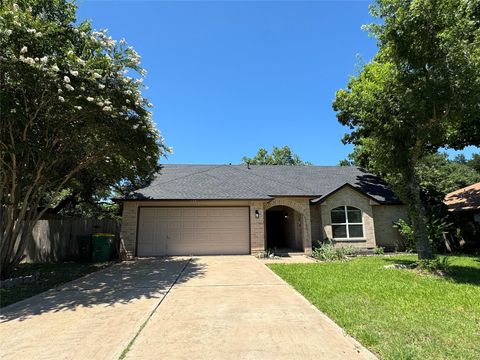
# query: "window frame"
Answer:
x=347 y=223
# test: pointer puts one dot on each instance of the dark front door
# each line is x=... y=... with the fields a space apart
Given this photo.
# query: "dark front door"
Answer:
x=275 y=229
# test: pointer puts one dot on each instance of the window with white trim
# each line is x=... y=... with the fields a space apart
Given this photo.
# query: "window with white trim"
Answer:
x=347 y=223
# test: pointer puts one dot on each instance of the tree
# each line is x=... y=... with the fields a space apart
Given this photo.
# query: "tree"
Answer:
x=473 y=163
x=419 y=93
x=279 y=156
x=68 y=109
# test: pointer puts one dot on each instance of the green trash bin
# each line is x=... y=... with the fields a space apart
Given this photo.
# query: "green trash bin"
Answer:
x=84 y=243
x=103 y=247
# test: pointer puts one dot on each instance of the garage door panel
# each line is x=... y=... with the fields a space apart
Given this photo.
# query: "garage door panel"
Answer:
x=193 y=231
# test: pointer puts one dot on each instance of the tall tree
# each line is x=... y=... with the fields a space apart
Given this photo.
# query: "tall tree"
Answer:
x=418 y=94
x=279 y=156
x=67 y=108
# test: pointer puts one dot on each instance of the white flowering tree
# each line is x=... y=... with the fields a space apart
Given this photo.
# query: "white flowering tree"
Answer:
x=70 y=103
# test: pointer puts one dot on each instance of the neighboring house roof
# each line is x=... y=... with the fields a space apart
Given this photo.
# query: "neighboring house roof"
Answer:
x=263 y=182
x=467 y=198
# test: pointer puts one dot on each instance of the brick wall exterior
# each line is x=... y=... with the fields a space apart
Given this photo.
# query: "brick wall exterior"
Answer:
x=349 y=197
x=257 y=227
x=315 y=220
x=386 y=235
x=302 y=206
x=128 y=232
x=317 y=230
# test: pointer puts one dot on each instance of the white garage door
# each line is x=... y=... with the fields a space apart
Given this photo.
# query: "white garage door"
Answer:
x=193 y=231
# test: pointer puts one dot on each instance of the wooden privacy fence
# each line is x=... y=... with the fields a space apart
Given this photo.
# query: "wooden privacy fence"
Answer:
x=56 y=239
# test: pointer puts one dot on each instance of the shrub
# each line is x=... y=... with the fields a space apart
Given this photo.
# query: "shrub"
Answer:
x=327 y=252
x=406 y=232
x=379 y=250
x=324 y=252
x=436 y=227
x=441 y=264
x=348 y=250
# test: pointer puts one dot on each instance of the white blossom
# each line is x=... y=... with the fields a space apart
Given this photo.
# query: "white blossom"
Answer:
x=27 y=60
x=15 y=7
x=150 y=105
x=38 y=34
x=23 y=50
x=60 y=91
x=107 y=108
x=8 y=32
x=78 y=107
x=13 y=111
x=66 y=79
x=61 y=99
x=90 y=99
x=31 y=31
x=96 y=75
x=44 y=59
x=81 y=61
x=74 y=72
x=101 y=86
x=55 y=68
x=69 y=87
x=100 y=103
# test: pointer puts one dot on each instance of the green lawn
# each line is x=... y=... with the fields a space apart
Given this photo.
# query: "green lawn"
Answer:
x=398 y=314
x=50 y=275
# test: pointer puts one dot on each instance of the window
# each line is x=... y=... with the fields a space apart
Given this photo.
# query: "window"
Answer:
x=347 y=223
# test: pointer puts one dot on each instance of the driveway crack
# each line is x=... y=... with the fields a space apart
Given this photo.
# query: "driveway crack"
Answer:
x=130 y=344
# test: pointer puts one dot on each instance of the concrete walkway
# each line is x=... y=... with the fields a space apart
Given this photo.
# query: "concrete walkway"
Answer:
x=204 y=308
x=238 y=309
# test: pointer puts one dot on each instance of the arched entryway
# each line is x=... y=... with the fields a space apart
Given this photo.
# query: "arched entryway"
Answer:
x=284 y=229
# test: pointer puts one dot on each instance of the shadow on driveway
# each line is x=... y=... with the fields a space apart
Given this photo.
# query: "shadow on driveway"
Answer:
x=119 y=284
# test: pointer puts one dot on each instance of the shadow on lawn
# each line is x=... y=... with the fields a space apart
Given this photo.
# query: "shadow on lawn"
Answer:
x=457 y=273
x=113 y=286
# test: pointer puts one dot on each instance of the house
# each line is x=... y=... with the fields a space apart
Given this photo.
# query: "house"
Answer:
x=246 y=209
x=464 y=206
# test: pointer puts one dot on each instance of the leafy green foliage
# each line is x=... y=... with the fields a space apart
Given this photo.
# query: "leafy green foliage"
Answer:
x=379 y=250
x=406 y=232
x=420 y=93
x=73 y=118
x=441 y=264
x=328 y=252
x=279 y=156
x=439 y=174
x=436 y=227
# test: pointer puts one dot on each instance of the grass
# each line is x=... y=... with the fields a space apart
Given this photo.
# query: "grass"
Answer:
x=50 y=275
x=397 y=314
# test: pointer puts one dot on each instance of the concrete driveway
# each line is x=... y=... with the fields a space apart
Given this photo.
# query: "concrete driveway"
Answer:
x=204 y=308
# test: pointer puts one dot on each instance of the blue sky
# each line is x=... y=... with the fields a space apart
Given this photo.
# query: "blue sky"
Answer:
x=227 y=78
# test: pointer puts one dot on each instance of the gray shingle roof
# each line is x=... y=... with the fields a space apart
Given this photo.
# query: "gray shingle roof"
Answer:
x=215 y=182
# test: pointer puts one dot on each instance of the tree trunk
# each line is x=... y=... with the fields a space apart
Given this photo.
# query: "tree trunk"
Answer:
x=417 y=214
